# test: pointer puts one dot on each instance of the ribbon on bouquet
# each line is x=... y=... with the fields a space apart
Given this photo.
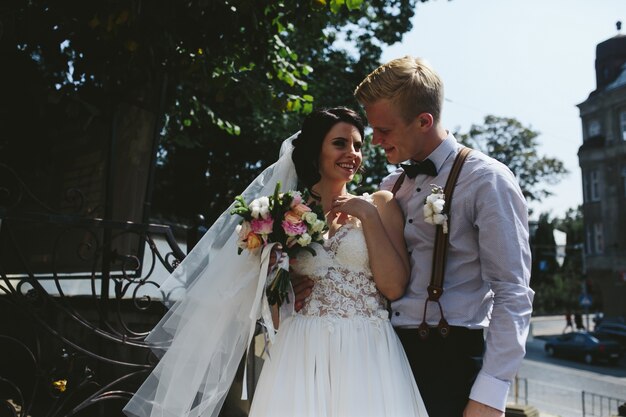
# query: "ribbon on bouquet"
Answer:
x=260 y=307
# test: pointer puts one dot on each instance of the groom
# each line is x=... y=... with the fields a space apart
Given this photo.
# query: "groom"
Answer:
x=486 y=300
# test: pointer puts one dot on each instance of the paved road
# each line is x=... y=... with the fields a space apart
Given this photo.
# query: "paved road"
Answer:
x=555 y=385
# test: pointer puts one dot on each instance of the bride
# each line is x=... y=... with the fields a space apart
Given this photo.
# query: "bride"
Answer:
x=339 y=355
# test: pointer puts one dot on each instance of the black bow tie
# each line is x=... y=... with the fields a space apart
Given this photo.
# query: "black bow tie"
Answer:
x=425 y=167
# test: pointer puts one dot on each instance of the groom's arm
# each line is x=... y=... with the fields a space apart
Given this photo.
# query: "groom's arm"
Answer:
x=501 y=219
x=476 y=409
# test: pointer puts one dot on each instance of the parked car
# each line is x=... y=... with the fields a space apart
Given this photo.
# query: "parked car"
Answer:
x=616 y=331
x=590 y=347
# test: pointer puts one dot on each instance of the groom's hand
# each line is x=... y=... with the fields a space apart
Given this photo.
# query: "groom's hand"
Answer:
x=476 y=409
x=302 y=287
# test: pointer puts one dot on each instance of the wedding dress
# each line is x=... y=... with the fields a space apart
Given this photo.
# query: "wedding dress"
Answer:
x=339 y=356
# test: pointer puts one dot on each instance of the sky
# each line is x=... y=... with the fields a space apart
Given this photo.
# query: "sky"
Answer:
x=533 y=60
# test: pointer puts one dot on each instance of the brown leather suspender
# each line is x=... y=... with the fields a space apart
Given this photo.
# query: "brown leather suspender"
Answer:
x=435 y=289
x=398 y=183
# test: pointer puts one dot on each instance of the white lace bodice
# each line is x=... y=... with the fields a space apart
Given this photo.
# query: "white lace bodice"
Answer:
x=344 y=285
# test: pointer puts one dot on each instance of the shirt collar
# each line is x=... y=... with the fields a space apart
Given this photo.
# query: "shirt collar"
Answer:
x=443 y=151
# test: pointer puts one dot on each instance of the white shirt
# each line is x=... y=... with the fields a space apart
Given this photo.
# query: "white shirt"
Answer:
x=486 y=280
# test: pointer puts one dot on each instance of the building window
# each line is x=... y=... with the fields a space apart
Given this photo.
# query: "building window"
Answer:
x=593 y=129
x=591 y=186
x=594 y=239
x=598 y=238
x=622 y=124
x=588 y=241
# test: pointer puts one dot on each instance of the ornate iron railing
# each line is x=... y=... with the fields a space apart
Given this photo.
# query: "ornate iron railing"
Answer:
x=78 y=295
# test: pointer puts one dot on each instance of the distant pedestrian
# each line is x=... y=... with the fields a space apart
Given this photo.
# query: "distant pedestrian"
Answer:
x=578 y=320
x=597 y=318
x=568 y=322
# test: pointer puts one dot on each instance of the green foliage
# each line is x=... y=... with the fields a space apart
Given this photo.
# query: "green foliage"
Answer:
x=230 y=79
x=543 y=248
x=508 y=141
x=557 y=288
x=572 y=225
x=558 y=294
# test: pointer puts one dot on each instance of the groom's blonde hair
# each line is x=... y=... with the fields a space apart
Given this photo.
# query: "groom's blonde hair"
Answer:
x=409 y=83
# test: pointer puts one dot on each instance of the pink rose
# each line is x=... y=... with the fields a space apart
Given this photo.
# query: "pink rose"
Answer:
x=262 y=226
x=297 y=199
x=294 y=229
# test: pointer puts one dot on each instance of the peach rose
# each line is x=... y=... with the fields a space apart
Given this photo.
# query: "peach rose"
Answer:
x=292 y=217
x=253 y=241
x=301 y=209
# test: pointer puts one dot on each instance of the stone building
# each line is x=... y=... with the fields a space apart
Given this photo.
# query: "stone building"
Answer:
x=602 y=160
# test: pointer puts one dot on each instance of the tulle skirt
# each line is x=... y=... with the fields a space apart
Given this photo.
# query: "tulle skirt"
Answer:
x=336 y=367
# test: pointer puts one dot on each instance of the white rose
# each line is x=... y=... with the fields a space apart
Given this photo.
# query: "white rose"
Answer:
x=318 y=226
x=304 y=240
x=310 y=218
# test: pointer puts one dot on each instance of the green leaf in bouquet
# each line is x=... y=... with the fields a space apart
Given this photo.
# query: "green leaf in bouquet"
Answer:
x=275 y=202
x=241 y=208
x=278 y=290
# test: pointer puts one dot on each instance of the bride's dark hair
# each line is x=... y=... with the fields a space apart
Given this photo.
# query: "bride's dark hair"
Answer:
x=308 y=144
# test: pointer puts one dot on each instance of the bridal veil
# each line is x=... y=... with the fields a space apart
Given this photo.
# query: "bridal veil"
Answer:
x=203 y=337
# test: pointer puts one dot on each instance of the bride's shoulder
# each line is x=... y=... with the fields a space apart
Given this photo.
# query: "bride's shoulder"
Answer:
x=381 y=196
x=386 y=204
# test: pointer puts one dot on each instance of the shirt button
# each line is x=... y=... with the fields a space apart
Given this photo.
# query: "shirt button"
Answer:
x=418 y=189
x=397 y=313
x=410 y=220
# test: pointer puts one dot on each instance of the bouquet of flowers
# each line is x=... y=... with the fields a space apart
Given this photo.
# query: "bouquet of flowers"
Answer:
x=283 y=218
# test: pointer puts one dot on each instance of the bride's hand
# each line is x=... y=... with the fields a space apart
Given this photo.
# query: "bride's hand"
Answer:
x=353 y=206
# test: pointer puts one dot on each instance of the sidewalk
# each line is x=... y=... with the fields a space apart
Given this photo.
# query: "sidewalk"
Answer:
x=552 y=325
x=542 y=327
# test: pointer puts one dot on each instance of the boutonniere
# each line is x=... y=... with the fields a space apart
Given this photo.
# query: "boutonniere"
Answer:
x=433 y=208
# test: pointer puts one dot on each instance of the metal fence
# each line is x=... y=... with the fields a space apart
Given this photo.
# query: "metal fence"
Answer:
x=597 y=405
x=77 y=298
x=72 y=344
x=557 y=400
